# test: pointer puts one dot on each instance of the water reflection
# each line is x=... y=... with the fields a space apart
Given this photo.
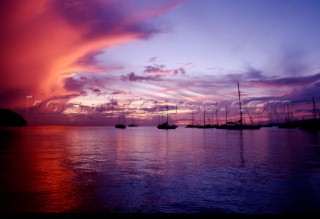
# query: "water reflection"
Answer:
x=102 y=169
x=33 y=175
x=242 y=162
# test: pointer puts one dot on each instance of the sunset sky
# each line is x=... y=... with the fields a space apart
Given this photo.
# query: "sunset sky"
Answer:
x=82 y=62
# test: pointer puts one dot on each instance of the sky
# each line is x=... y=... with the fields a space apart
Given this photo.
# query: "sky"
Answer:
x=78 y=62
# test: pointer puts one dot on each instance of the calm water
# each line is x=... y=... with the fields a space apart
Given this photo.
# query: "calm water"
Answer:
x=146 y=170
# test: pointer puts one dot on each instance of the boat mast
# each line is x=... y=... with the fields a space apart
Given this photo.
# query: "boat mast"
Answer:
x=167 y=112
x=314 y=109
x=217 y=118
x=240 y=106
x=192 y=117
x=120 y=117
x=226 y=114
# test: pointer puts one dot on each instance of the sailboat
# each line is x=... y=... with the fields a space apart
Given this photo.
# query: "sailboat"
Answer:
x=289 y=123
x=311 y=124
x=238 y=125
x=121 y=124
x=204 y=126
x=166 y=124
x=132 y=124
x=192 y=125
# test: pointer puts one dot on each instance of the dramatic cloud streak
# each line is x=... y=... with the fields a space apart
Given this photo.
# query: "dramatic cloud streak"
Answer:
x=42 y=40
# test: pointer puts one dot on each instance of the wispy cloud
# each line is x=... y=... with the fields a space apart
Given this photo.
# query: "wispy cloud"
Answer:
x=133 y=77
x=160 y=70
x=288 y=81
x=153 y=59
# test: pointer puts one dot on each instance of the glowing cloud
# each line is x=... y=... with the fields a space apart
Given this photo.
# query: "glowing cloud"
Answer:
x=43 y=40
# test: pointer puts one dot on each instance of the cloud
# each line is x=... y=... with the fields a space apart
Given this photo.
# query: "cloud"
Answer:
x=96 y=91
x=117 y=92
x=72 y=84
x=94 y=83
x=43 y=40
x=253 y=73
x=160 y=70
x=292 y=62
x=153 y=59
x=100 y=18
x=289 y=81
x=67 y=96
x=307 y=92
x=133 y=77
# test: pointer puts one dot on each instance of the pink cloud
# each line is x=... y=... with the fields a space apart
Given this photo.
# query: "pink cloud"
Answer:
x=45 y=41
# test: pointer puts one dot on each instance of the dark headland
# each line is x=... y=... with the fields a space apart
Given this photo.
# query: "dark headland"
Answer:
x=9 y=118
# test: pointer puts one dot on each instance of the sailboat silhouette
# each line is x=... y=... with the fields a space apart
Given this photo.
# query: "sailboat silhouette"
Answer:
x=204 y=126
x=166 y=124
x=121 y=124
x=238 y=125
x=132 y=124
x=192 y=125
x=311 y=124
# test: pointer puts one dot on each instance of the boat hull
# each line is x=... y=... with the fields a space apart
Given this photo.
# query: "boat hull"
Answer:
x=166 y=126
x=120 y=126
x=238 y=127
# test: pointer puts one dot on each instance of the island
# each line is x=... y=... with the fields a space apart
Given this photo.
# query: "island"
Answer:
x=9 y=118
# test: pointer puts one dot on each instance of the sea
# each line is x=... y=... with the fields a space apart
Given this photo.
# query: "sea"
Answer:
x=80 y=169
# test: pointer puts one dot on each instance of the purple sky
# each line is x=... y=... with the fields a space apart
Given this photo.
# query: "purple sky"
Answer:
x=95 y=56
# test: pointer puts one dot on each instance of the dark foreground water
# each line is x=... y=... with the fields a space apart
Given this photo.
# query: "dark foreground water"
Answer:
x=146 y=170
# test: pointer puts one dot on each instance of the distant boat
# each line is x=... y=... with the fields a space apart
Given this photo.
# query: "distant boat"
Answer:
x=192 y=125
x=238 y=125
x=207 y=126
x=204 y=126
x=289 y=123
x=166 y=124
x=311 y=124
x=121 y=124
x=132 y=124
x=268 y=125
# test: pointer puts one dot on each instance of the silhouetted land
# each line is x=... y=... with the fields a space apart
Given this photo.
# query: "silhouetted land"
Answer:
x=9 y=118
